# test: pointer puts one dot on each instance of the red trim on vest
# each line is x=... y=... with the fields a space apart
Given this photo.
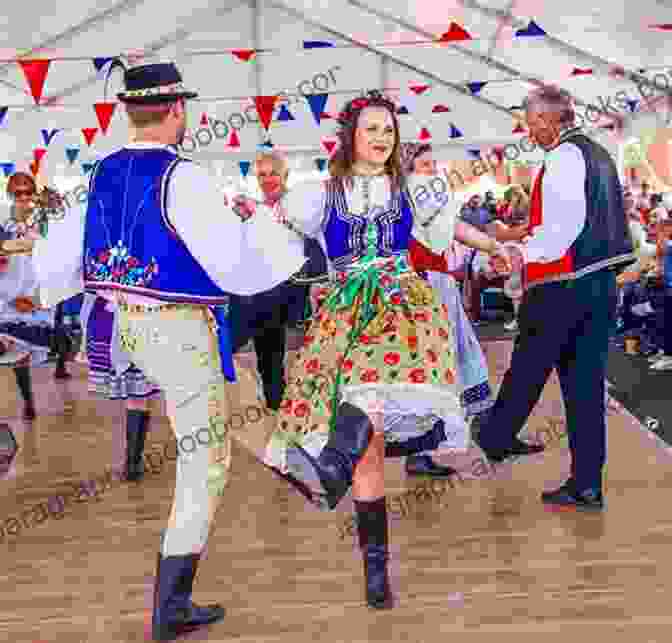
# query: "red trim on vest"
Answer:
x=539 y=271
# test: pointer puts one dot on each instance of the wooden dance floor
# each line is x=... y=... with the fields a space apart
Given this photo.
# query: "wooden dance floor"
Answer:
x=472 y=558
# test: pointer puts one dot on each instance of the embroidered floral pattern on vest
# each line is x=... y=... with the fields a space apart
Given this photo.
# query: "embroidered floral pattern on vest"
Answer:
x=118 y=266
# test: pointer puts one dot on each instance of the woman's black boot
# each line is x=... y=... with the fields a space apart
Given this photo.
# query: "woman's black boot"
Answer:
x=373 y=541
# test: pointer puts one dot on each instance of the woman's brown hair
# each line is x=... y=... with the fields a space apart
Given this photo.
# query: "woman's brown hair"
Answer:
x=17 y=179
x=340 y=165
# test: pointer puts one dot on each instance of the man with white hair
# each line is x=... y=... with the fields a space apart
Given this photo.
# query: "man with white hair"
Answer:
x=579 y=240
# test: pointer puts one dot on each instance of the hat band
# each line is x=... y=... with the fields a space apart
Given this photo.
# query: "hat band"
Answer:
x=176 y=88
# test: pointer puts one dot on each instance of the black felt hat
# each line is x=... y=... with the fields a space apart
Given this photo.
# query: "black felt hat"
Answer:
x=154 y=84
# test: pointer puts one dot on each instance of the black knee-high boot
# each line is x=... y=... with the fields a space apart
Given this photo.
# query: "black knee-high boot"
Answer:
x=136 y=432
x=174 y=613
x=24 y=382
x=334 y=468
x=373 y=541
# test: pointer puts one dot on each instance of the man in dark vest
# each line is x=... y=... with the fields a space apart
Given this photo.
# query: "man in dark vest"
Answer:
x=579 y=240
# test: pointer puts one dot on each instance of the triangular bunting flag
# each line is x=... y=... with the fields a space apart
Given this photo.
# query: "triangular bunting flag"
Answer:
x=424 y=135
x=35 y=72
x=87 y=167
x=440 y=109
x=475 y=153
x=244 y=54
x=3 y=113
x=326 y=116
x=665 y=26
x=104 y=112
x=577 y=71
x=329 y=145
x=38 y=154
x=617 y=71
x=99 y=63
x=71 y=154
x=34 y=168
x=455 y=33
x=632 y=104
x=533 y=29
x=267 y=145
x=285 y=114
x=403 y=110
x=321 y=164
x=244 y=168
x=498 y=152
x=48 y=135
x=317 y=103
x=316 y=44
x=234 y=140
x=518 y=129
x=475 y=88
x=8 y=168
x=454 y=132
x=89 y=134
x=418 y=89
x=265 y=106
x=204 y=119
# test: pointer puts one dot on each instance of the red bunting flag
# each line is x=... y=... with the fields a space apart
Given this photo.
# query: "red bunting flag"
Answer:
x=204 y=119
x=418 y=89
x=665 y=26
x=329 y=145
x=455 y=33
x=244 y=54
x=518 y=129
x=424 y=135
x=326 y=115
x=104 y=112
x=440 y=109
x=89 y=134
x=234 y=140
x=577 y=71
x=35 y=72
x=499 y=153
x=265 y=106
x=39 y=153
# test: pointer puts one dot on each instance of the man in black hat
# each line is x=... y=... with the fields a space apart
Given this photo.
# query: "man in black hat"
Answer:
x=159 y=241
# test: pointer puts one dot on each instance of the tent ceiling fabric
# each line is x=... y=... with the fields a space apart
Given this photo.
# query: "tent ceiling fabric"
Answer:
x=593 y=35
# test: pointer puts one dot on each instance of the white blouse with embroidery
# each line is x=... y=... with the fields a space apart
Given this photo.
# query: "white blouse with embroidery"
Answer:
x=304 y=207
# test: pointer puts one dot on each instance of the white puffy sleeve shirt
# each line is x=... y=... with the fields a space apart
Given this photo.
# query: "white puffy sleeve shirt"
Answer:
x=242 y=258
x=563 y=206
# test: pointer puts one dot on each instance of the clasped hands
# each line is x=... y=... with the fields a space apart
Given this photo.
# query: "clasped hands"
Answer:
x=506 y=259
x=244 y=206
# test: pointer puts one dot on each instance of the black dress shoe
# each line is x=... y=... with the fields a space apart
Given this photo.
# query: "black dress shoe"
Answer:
x=517 y=449
x=568 y=496
x=423 y=465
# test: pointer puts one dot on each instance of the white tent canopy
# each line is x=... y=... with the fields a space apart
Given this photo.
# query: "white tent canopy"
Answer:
x=370 y=50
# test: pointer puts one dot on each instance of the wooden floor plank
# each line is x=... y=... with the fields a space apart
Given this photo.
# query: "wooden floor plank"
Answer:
x=475 y=557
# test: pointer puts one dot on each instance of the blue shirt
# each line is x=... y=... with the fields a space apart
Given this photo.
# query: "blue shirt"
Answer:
x=667 y=265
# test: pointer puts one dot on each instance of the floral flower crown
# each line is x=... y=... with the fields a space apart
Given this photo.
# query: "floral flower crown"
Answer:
x=373 y=98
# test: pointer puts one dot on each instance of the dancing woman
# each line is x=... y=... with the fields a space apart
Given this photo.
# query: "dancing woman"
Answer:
x=381 y=338
x=26 y=331
x=472 y=368
x=113 y=376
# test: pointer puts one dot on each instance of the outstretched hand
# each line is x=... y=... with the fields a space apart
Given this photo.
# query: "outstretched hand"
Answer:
x=500 y=261
x=244 y=206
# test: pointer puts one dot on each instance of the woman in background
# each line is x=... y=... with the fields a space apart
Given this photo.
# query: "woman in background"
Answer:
x=26 y=330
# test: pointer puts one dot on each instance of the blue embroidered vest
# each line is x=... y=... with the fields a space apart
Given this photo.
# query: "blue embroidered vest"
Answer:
x=129 y=243
x=345 y=233
x=131 y=246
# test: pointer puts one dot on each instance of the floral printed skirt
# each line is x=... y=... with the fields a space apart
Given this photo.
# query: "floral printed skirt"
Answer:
x=405 y=359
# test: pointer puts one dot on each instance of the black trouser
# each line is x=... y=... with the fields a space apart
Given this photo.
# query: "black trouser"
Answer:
x=263 y=319
x=563 y=326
